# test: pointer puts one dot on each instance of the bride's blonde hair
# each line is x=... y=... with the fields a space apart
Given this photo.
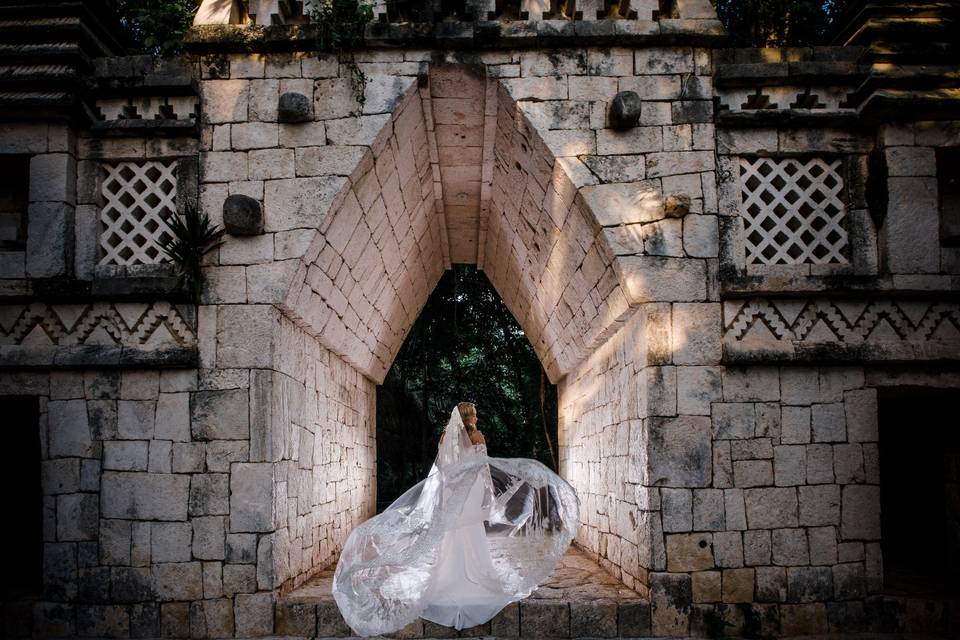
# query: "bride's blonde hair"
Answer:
x=467 y=410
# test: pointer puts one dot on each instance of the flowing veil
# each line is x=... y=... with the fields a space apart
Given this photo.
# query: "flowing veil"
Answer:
x=524 y=513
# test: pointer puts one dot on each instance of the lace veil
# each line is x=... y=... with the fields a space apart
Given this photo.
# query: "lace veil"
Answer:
x=528 y=515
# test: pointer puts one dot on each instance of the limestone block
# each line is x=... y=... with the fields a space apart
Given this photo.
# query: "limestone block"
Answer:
x=696 y=333
x=771 y=584
x=860 y=411
x=738 y=585
x=209 y=494
x=241 y=548
x=89 y=475
x=114 y=542
x=175 y=619
x=178 y=581
x=752 y=473
x=617 y=168
x=827 y=421
x=708 y=511
x=49 y=236
x=254 y=615
x=660 y=279
x=620 y=203
x=160 y=456
x=239 y=578
x=172 y=420
x=365 y=130
x=170 y=542
x=251 y=497
x=60 y=476
x=130 y=584
x=69 y=429
x=819 y=505
x=383 y=92
x=689 y=552
x=706 y=586
x=670 y=597
x=700 y=236
x=819 y=463
x=677 y=509
x=328 y=160
x=789 y=547
x=733 y=420
x=135 y=419
x=658 y=60
x=751 y=384
x=735 y=512
x=697 y=388
x=330 y=623
x=208 y=538
x=848 y=463
x=756 y=547
x=299 y=202
x=218 y=617
x=849 y=581
x=53 y=178
x=224 y=101
x=911 y=161
x=223 y=166
x=771 y=507
x=296 y=619
x=860 y=517
x=910 y=233
x=268 y=283
x=222 y=453
x=680 y=452
x=187 y=457
x=125 y=455
x=245 y=336
x=795 y=425
x=823 y=545
x=108 y=621
x=636 y=140
x=664 y=237
x=541 y=88
x=660 y=385
x=77 y=517
x=566 y=143
x=744 y=141
x=722 y=464
x=809 y=584
x=790 y=465
x=254 y=135
x=144 y=496
x=333 y=98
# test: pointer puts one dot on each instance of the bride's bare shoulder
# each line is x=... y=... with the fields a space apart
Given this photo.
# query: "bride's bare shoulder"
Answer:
x=476 y=437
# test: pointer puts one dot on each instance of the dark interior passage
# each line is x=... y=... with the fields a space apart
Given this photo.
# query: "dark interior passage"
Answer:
x=920 y=490
x=464 y=346
x=24 y=496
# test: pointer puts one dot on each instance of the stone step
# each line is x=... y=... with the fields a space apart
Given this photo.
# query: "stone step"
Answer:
x=579 y=600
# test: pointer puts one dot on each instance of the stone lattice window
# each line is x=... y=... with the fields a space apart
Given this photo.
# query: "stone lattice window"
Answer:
x=793 y=211
x=138 y=199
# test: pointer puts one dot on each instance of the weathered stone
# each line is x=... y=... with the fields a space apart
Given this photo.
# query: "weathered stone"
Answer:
x=756 y=547
x=671 y=596
x=239 y=578
x=706 y=586
x=738 y=585
x=170 y=541
x=77 y=516
x=144 y=496
x=789 y=547
x=708 y=510
x=819 y=464
x=540 y=619
x=125 y=455
x=209 y=494
x=733 y=420
x=625 y=110
x=330 y=623
x=251 y=497
x=633 y=619
x=135 y=419
x=827 y=421
x=860 y=411
x=594 y=619
x=69 y=429
x=208 y=538
x=680 y=452
x=220 y=415
x=795 y=425
x=771 y=507
x=753 y=473
x=860 y=517
x=60 y=476
x=178 y=581
x=253 y=615
x=676 y=205
x=809 y=584
x=187 y=457
x=242 y=215
x=677 y=509
x=728 y=549
x=689 y=552
x=295 y=619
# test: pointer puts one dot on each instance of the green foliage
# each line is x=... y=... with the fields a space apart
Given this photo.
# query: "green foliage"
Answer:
x=340 y=26
x=464 y=346
x=193 y=236
x=779 y=23
x=156 y=26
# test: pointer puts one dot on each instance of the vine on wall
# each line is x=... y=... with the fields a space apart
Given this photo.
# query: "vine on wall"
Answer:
x=340 y=30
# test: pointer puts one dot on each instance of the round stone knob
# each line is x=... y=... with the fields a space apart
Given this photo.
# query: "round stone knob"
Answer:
x=294 y=107
x=625 y=110
x=242 y=215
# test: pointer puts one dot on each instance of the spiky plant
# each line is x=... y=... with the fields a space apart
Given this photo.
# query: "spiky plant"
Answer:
x=193 y=236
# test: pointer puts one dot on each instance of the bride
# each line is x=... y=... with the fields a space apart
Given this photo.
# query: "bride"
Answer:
x=475 y=535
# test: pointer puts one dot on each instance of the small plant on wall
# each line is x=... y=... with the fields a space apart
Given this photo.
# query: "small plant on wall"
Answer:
x=340 y=26
x=193 y=236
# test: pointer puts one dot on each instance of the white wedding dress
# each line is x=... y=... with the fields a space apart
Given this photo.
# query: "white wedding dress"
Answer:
x=475 y=535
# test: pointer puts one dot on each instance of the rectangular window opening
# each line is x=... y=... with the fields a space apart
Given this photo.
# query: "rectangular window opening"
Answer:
x=14 y=198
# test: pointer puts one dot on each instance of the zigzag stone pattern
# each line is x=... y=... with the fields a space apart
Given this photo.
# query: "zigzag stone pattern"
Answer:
x=128 y=324
x=847 y=321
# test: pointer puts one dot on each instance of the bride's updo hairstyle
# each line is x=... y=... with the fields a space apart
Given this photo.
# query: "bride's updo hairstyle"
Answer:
x=467 y=410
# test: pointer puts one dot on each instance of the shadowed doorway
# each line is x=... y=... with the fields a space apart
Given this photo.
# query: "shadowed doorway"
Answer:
x=465 y=345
